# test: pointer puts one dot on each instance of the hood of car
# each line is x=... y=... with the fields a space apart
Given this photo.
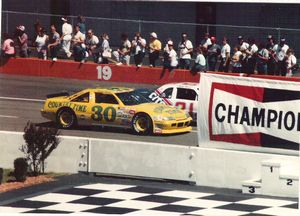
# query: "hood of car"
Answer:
x=164 y=110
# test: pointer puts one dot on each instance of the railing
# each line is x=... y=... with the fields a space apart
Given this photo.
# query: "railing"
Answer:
x=114 y=27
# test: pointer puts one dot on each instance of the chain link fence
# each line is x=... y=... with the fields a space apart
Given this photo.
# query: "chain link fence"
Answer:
x=165 y=30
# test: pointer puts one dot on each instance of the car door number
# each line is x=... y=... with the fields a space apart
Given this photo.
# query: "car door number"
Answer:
x=99 y=114
x=183 y=106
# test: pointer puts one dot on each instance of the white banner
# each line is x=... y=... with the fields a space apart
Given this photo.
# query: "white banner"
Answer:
x=250 y=111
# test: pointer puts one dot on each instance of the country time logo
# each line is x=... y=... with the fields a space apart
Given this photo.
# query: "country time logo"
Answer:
x=254 y=116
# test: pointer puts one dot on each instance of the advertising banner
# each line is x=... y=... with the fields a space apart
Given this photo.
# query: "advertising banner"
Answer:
x=249 y=111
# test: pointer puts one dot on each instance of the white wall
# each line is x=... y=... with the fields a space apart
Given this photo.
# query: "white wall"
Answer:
x=210 y=167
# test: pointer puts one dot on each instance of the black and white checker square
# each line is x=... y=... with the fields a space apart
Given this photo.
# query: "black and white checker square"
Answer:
x=123 y=199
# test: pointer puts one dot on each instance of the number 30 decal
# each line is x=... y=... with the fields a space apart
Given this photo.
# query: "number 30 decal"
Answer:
x=98 y=115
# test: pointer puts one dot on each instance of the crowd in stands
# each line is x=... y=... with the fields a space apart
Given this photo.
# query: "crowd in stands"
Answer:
x=246 y=56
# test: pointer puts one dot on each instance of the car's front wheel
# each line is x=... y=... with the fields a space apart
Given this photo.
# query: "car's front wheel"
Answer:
x=66 y=118
x=142 y=124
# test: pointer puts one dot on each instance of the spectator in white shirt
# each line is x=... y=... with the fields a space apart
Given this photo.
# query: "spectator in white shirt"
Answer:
x=79 y=47
x=92 y=43
x=66 y=37
x=138 y=49
x=200 y=61
x=251 y=54
x=185 y=49
x=122 y=55
x=105 y=49
x=243 y=47
x=171 y=62
x=225 y=56
x=291 y=62
x=41 y=42
x=280 y=56
x=236 y=60
x=262 y=59
x=206 y=41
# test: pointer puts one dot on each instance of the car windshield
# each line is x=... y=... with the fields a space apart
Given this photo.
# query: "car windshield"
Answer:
x=132 y=98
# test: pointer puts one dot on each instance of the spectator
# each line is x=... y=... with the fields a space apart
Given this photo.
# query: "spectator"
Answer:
x=8 y=47
x=185 y=48
x=41 y=44
x=243 y=47
x=22 y=40
x=236 y=60
x=291 y=62
x=105 y=49
x=251 y=54
x=271 y=64
x=79 y=47
x=37 y=27
x=92 y=45
x=280 y=56
x=138 y=49
x=122 y=55
x=200 y=61
x=206 y=41
x=81 y=24
x=225 y=56
x=66 y=37
x=171 y=62
x=262 y=59
x=154 y=49
x=54 y=43
x=213 y=53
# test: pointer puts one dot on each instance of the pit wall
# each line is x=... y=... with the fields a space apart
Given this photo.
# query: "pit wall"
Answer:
x=203 y=166
x=92 y=71
x=106 y=73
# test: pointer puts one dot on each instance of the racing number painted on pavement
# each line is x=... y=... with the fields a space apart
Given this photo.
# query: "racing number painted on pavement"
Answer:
x=99 y=113
x=104 y=73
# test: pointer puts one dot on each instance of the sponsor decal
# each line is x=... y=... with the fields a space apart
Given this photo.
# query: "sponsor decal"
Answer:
x=75 y=107
x=253 y=115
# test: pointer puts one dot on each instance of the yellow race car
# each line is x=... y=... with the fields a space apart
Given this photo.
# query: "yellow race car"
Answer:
x=118 y=107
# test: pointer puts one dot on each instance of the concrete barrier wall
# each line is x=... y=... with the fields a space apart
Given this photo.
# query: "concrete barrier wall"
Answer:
x=92 y=71
x=206 y=167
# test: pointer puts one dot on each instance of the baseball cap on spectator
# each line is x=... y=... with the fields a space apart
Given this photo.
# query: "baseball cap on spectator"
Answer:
x=170 y=43
x=153 y=34
x=240 y=37
x=21 y=28
x=270 y=37
x=282 y=39
x=64 y=19
x=213 y=39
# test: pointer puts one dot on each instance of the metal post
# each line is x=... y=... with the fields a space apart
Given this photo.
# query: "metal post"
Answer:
x=278 y=34
x=207 y=28
x=140 y=26
x=6 y=21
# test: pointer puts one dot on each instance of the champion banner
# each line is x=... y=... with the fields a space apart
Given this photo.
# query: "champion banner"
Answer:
x=250 y=111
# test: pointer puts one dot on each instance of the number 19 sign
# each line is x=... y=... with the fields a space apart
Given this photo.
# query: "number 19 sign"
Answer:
x=104 y=72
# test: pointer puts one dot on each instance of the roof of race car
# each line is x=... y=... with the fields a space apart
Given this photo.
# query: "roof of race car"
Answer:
x=112 y=89
x=183 y=84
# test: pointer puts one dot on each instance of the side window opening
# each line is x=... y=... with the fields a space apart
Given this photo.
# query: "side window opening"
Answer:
x=186 y=94
x=106 y=98
x=85 y=98
x=167 y=93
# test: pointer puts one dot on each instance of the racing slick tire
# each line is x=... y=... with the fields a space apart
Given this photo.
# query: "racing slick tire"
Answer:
x=142 y=124
x=66 y=118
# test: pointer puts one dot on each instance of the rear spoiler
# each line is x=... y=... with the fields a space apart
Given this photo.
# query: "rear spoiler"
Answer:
x=58 y=94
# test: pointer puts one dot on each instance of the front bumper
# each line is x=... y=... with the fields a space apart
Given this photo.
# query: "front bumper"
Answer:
x=172 y=127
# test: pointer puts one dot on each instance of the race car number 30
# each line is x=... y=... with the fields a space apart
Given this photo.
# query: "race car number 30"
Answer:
x=104 y=73
x=108 y=114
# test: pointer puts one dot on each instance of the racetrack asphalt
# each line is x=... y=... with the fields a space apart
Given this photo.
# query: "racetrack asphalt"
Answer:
x=21 y=99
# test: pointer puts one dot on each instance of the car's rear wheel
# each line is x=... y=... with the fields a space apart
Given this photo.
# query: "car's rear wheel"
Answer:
x=142 y=124
x=66 y=118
